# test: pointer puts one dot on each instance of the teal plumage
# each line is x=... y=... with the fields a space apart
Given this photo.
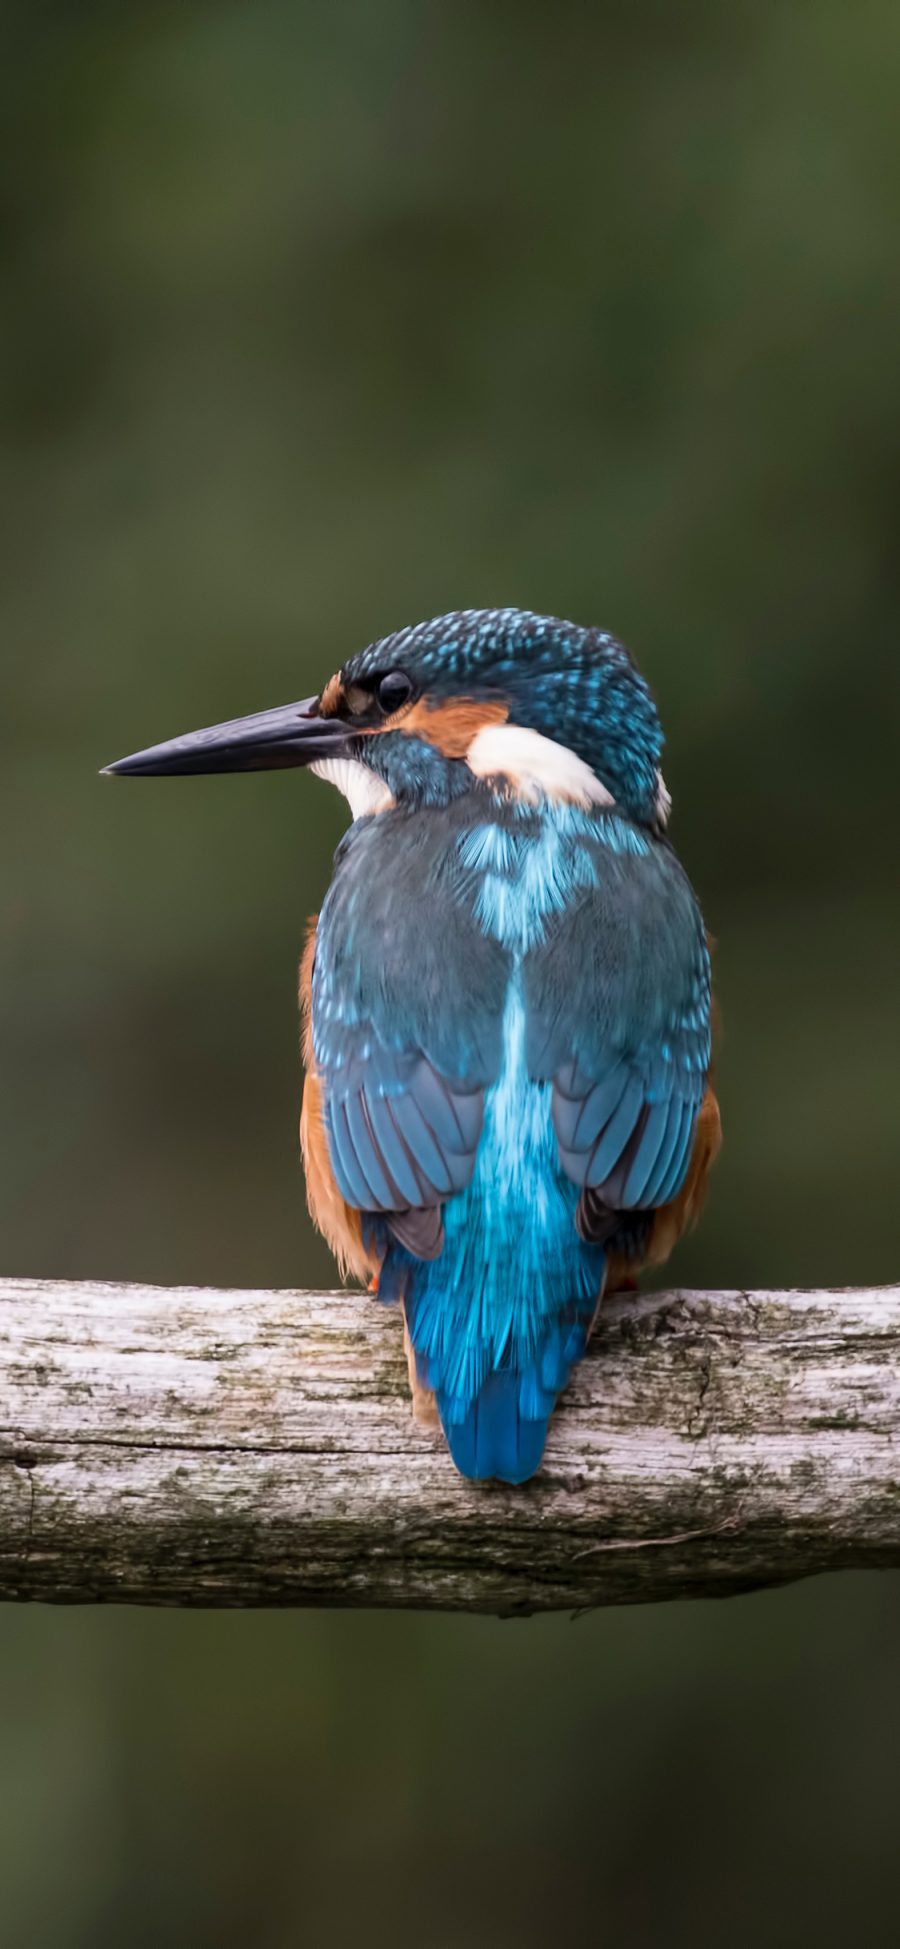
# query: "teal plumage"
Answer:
x=509 y=998
x=545 y=968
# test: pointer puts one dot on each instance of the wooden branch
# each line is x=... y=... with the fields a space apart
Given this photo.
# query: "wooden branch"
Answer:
x=239 y=1448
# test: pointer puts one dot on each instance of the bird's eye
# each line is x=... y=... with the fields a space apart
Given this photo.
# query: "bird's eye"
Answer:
x=393 y=690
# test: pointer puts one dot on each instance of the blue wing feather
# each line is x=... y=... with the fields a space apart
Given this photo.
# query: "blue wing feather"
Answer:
x=407 y=1002
x=619 y=1001
x=648 y=1152
x=347 y=1170
x=597 y=1107
x=397 y=1156
x=382 y=1192
x=669 y=1149
x=681 y=1154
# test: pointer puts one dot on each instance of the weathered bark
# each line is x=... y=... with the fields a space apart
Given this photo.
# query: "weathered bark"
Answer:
x=239 y=1448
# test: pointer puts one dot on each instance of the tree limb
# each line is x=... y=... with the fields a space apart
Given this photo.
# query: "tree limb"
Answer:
x=241 y=1448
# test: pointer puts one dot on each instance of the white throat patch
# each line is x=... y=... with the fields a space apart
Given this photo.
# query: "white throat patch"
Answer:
x=363 y=790
x=534 y=767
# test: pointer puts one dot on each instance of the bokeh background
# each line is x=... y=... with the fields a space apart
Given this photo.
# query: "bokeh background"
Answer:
x=316 y=320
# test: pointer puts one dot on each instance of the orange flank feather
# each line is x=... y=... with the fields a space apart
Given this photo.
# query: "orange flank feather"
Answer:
x=424 y=1405
x=307 y=960
x=338 y=1222
x=684 y=1211
x=671 y=1220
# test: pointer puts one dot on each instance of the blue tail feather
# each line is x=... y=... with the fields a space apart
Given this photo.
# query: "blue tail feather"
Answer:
x=495 y=1439
x=502 y=1430
x=500 y=1317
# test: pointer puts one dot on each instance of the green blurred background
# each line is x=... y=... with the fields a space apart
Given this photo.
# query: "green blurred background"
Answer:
x=316 y=320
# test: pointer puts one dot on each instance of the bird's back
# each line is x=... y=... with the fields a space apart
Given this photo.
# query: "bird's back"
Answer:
x=482 y=949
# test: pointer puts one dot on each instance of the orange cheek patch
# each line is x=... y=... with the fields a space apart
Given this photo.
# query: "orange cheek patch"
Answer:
x=451 y=727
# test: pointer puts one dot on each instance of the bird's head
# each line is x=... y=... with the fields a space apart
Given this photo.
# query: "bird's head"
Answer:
x=524 y=705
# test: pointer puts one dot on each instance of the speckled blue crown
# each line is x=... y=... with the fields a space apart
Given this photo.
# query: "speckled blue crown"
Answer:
x=575 y=684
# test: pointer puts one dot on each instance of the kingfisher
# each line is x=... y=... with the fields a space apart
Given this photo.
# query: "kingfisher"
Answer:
x=506 y=1000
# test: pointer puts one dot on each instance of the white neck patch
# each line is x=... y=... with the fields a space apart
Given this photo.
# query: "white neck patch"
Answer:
x=363 y=790
x=534 y=767
x=663 y=801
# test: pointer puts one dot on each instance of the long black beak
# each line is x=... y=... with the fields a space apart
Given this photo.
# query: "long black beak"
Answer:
x=294 y=734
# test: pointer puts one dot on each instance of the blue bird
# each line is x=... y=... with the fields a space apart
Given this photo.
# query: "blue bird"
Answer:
x=507 y=1002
